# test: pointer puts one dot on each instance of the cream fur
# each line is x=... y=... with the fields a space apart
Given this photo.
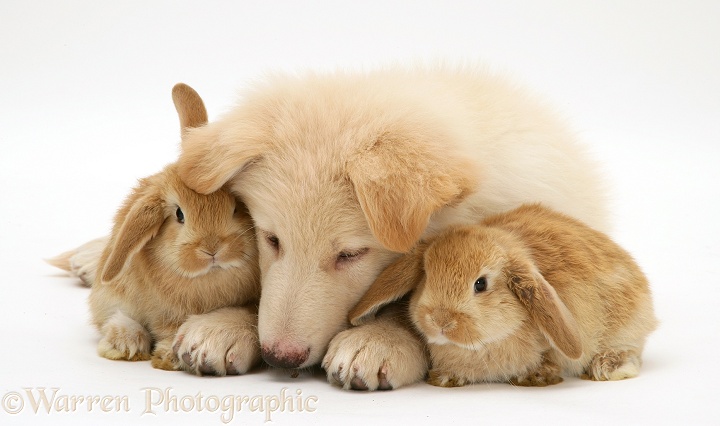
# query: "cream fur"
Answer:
x=342 y=171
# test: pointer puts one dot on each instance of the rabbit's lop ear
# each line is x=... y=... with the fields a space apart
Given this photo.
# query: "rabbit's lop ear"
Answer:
x=397 y=280
x=547 y=310
x=400 y=182
x=190 y=107
x=144 y=214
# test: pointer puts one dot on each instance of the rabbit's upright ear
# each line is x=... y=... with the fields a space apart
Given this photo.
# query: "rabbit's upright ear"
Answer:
x=139 y=221
x=190 y=107
x=546 y=309
x=397 y=280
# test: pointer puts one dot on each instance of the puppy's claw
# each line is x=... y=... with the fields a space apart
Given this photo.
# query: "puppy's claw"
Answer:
x=206 y=369
x=178 y=342
x=187 y=359
x=383 y=383
x=358 y=384
x=230 y=370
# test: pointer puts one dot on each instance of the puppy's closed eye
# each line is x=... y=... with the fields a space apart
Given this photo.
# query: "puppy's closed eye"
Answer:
x=347 y=257
x=272 y=240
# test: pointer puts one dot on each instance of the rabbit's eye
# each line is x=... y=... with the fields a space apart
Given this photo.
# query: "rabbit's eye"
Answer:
x=180 y=216
x=480 y=285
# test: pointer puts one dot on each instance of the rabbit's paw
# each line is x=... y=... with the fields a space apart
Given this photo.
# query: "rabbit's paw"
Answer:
x=613 y=365
x=445 y=379
x=163 y=357
x=536 y=379
x=84 y=262
x=546 y=374
x=124 y=339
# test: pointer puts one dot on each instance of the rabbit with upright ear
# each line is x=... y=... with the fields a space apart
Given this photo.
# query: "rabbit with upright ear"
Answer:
x=524 y=297
x=172 y=254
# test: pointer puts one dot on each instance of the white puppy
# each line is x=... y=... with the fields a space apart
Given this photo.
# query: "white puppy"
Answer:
x=343 y=171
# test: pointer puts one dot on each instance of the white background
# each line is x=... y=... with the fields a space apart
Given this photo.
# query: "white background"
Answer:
x=85 y=110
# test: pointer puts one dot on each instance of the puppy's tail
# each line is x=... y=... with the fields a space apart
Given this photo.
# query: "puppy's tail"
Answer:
x=62 y=261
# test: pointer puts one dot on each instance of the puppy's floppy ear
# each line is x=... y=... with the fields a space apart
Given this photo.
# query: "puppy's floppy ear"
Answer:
x=397 y=280
x=139 y=221
x=190 y=107
x=212 y=154
x=546 y=309
x=400 y=182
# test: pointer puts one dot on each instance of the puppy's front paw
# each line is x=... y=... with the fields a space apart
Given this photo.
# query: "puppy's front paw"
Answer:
x=124 y=339
x=445 y=379
x=380 y=355
x=222 y=342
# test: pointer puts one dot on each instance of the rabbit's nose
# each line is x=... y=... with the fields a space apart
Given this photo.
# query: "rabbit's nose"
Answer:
x=210 y=253
x=211 y=245
x=443 y=320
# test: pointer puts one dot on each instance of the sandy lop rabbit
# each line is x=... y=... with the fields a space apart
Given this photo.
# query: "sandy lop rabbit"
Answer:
x=523 y=297
x=174 y=253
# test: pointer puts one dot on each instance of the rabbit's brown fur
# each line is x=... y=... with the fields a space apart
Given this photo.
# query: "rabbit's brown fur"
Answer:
x=173 y=255
x=560 y=299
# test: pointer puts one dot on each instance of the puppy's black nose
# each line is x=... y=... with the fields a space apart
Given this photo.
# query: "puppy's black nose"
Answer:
x=285 y=355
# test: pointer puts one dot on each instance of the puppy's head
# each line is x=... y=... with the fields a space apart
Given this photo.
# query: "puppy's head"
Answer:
x=336 y=189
